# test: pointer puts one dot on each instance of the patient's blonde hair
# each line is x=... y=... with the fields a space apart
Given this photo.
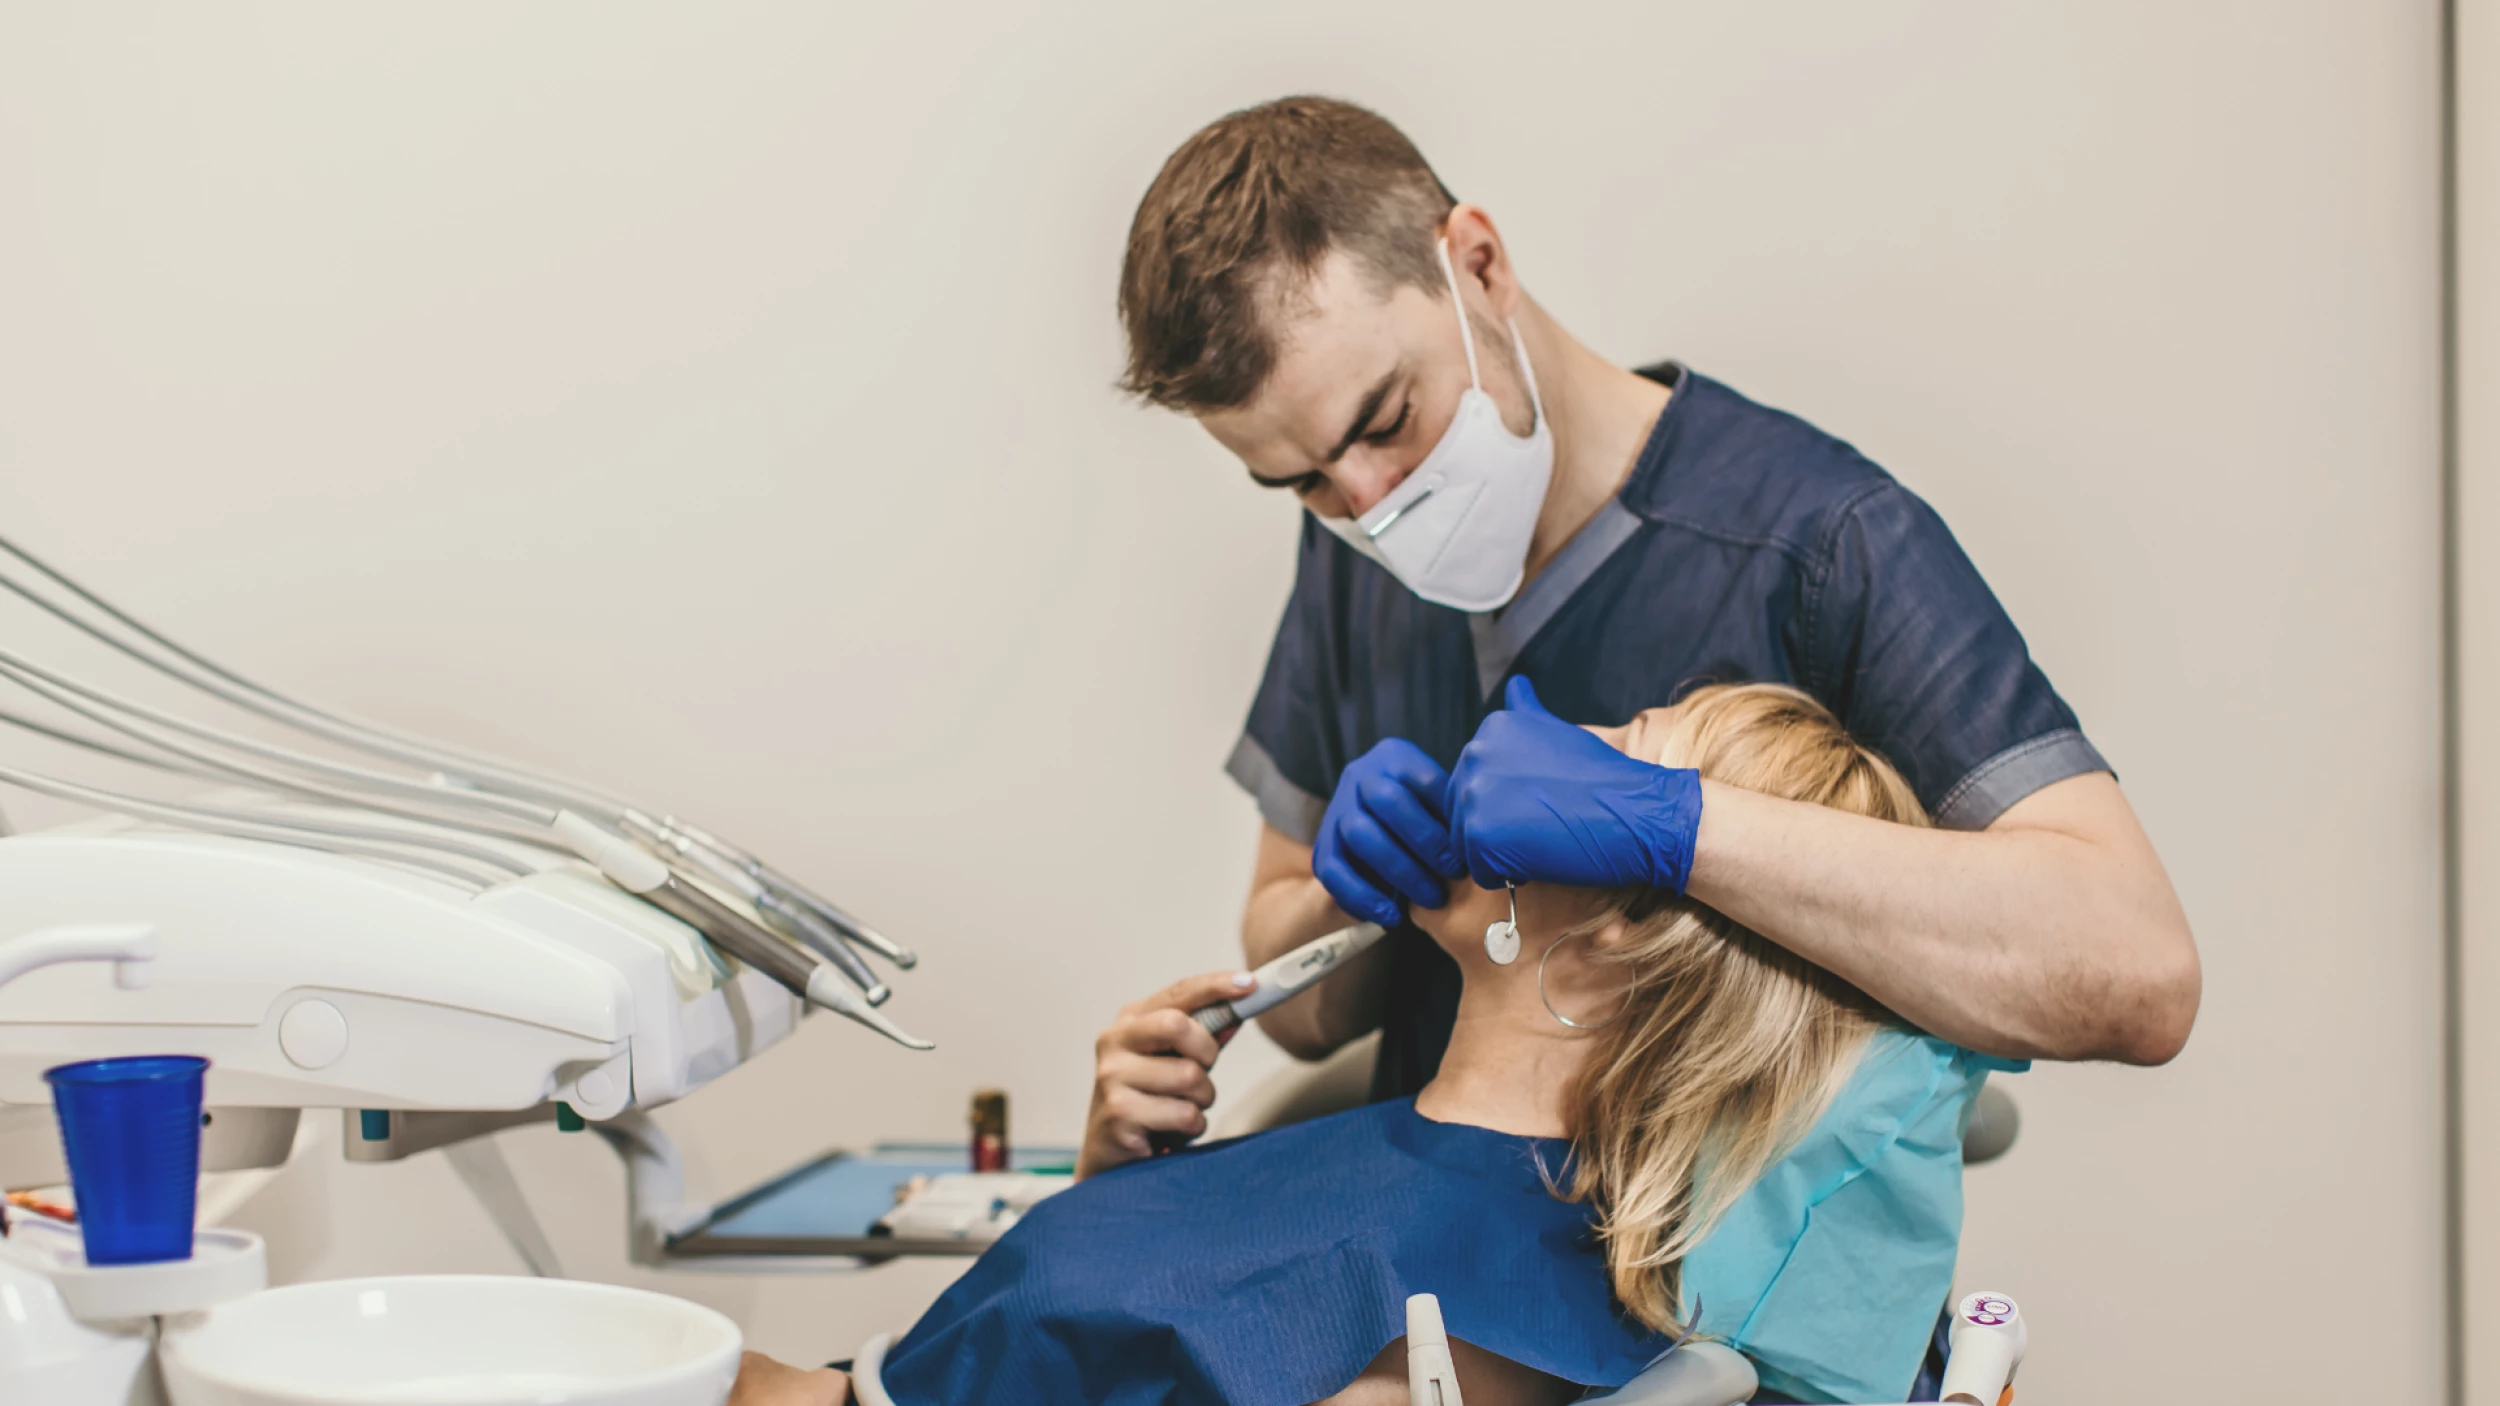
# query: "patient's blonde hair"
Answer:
x=1729 y=1047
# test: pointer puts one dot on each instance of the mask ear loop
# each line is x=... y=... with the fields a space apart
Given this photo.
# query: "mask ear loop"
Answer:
x=1549 y=1001
x=1527 y=372
x=1466 y=338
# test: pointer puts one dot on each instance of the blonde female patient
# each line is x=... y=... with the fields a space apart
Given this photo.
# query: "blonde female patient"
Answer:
x=1650 y=1122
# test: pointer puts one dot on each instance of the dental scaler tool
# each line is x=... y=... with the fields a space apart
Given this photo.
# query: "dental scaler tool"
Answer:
x=1986 y=1345
x=1289 y=976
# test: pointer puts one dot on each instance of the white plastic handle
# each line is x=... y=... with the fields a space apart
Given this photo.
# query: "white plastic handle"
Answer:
x=633 y=868
x=1985 y=1346
x=128 y=946
x=1431 y=1377
x=868 y=1372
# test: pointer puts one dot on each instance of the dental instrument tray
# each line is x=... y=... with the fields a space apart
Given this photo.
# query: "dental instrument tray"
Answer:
x=893 y=1200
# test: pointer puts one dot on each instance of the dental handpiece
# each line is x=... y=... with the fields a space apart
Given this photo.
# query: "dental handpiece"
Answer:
x=790 y=889
x=801 y=972
x=1289 y=976
x=819 y=937
x=799 y=924
x=842 y=922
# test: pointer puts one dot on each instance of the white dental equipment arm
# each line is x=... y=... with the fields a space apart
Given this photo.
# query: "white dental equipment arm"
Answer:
x=317 y=980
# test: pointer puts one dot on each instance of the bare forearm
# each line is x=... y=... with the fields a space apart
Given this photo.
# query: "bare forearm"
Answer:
x=1287 y=908
x=1283 y=914
x=2052 y=934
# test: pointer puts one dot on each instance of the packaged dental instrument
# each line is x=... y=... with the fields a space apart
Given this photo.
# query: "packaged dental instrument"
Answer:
x=971 y=1206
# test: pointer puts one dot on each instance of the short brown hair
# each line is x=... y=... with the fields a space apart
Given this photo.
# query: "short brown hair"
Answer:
x=1267 y=190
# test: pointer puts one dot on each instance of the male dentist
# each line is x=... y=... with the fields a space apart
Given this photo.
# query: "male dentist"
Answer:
x=1489 y=503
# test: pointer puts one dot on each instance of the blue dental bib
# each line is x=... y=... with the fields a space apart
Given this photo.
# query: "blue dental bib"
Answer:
x=1270 y=1270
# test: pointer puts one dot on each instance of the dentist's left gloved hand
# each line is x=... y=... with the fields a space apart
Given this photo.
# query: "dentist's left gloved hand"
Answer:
x=1385 y=839
x=1537 y=800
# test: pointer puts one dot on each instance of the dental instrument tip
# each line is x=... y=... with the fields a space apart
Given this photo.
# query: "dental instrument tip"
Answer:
x=902 y=957
x=890 y=1030
x=822 y=938
x=826 y=988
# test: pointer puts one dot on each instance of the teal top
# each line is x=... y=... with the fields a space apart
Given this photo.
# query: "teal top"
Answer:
x=1829 y=1272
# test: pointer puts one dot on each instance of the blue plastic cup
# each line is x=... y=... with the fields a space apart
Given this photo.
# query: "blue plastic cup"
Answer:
x=132 y=1131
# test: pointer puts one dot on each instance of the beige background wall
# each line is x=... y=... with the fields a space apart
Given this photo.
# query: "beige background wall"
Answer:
x=2478 y=620
x=712 y=401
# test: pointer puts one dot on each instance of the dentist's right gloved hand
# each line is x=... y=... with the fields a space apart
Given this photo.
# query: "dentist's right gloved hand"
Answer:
x=1537 y=800
x=1386 y=837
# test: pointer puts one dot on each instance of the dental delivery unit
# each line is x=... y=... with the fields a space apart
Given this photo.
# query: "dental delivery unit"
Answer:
x=356 y=918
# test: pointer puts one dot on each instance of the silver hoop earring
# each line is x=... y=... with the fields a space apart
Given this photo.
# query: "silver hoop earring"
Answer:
x=1501 y=936
x=1549 y=1001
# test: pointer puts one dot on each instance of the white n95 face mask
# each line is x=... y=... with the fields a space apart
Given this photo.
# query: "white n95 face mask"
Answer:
x=1456 y=532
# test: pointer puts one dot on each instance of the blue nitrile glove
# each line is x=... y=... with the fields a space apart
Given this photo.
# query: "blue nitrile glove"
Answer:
x=1386 y=836
x=1536 y=800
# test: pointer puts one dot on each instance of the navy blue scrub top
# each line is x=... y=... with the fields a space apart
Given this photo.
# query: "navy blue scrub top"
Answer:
x=1747 y=546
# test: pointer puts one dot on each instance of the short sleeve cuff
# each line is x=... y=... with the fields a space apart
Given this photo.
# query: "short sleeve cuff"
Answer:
x=1994 y=786
x=1293 y=811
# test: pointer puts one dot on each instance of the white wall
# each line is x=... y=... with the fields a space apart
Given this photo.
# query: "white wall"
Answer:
x=713 y=401
x=2478 y=677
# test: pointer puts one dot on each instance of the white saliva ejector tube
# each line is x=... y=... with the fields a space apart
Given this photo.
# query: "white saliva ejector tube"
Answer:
x=1986 y=1345
x=1431 y=1377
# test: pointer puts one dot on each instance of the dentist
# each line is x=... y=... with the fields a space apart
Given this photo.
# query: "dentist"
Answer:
x=1490 y=502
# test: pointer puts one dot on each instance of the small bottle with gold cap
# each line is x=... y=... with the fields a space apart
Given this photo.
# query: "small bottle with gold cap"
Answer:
x=989 y=1130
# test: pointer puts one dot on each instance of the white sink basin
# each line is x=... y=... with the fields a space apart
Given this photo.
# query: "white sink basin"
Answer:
x=451 y=1340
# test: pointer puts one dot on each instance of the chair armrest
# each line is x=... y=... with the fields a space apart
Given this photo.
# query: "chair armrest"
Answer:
x=1696 y=1374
